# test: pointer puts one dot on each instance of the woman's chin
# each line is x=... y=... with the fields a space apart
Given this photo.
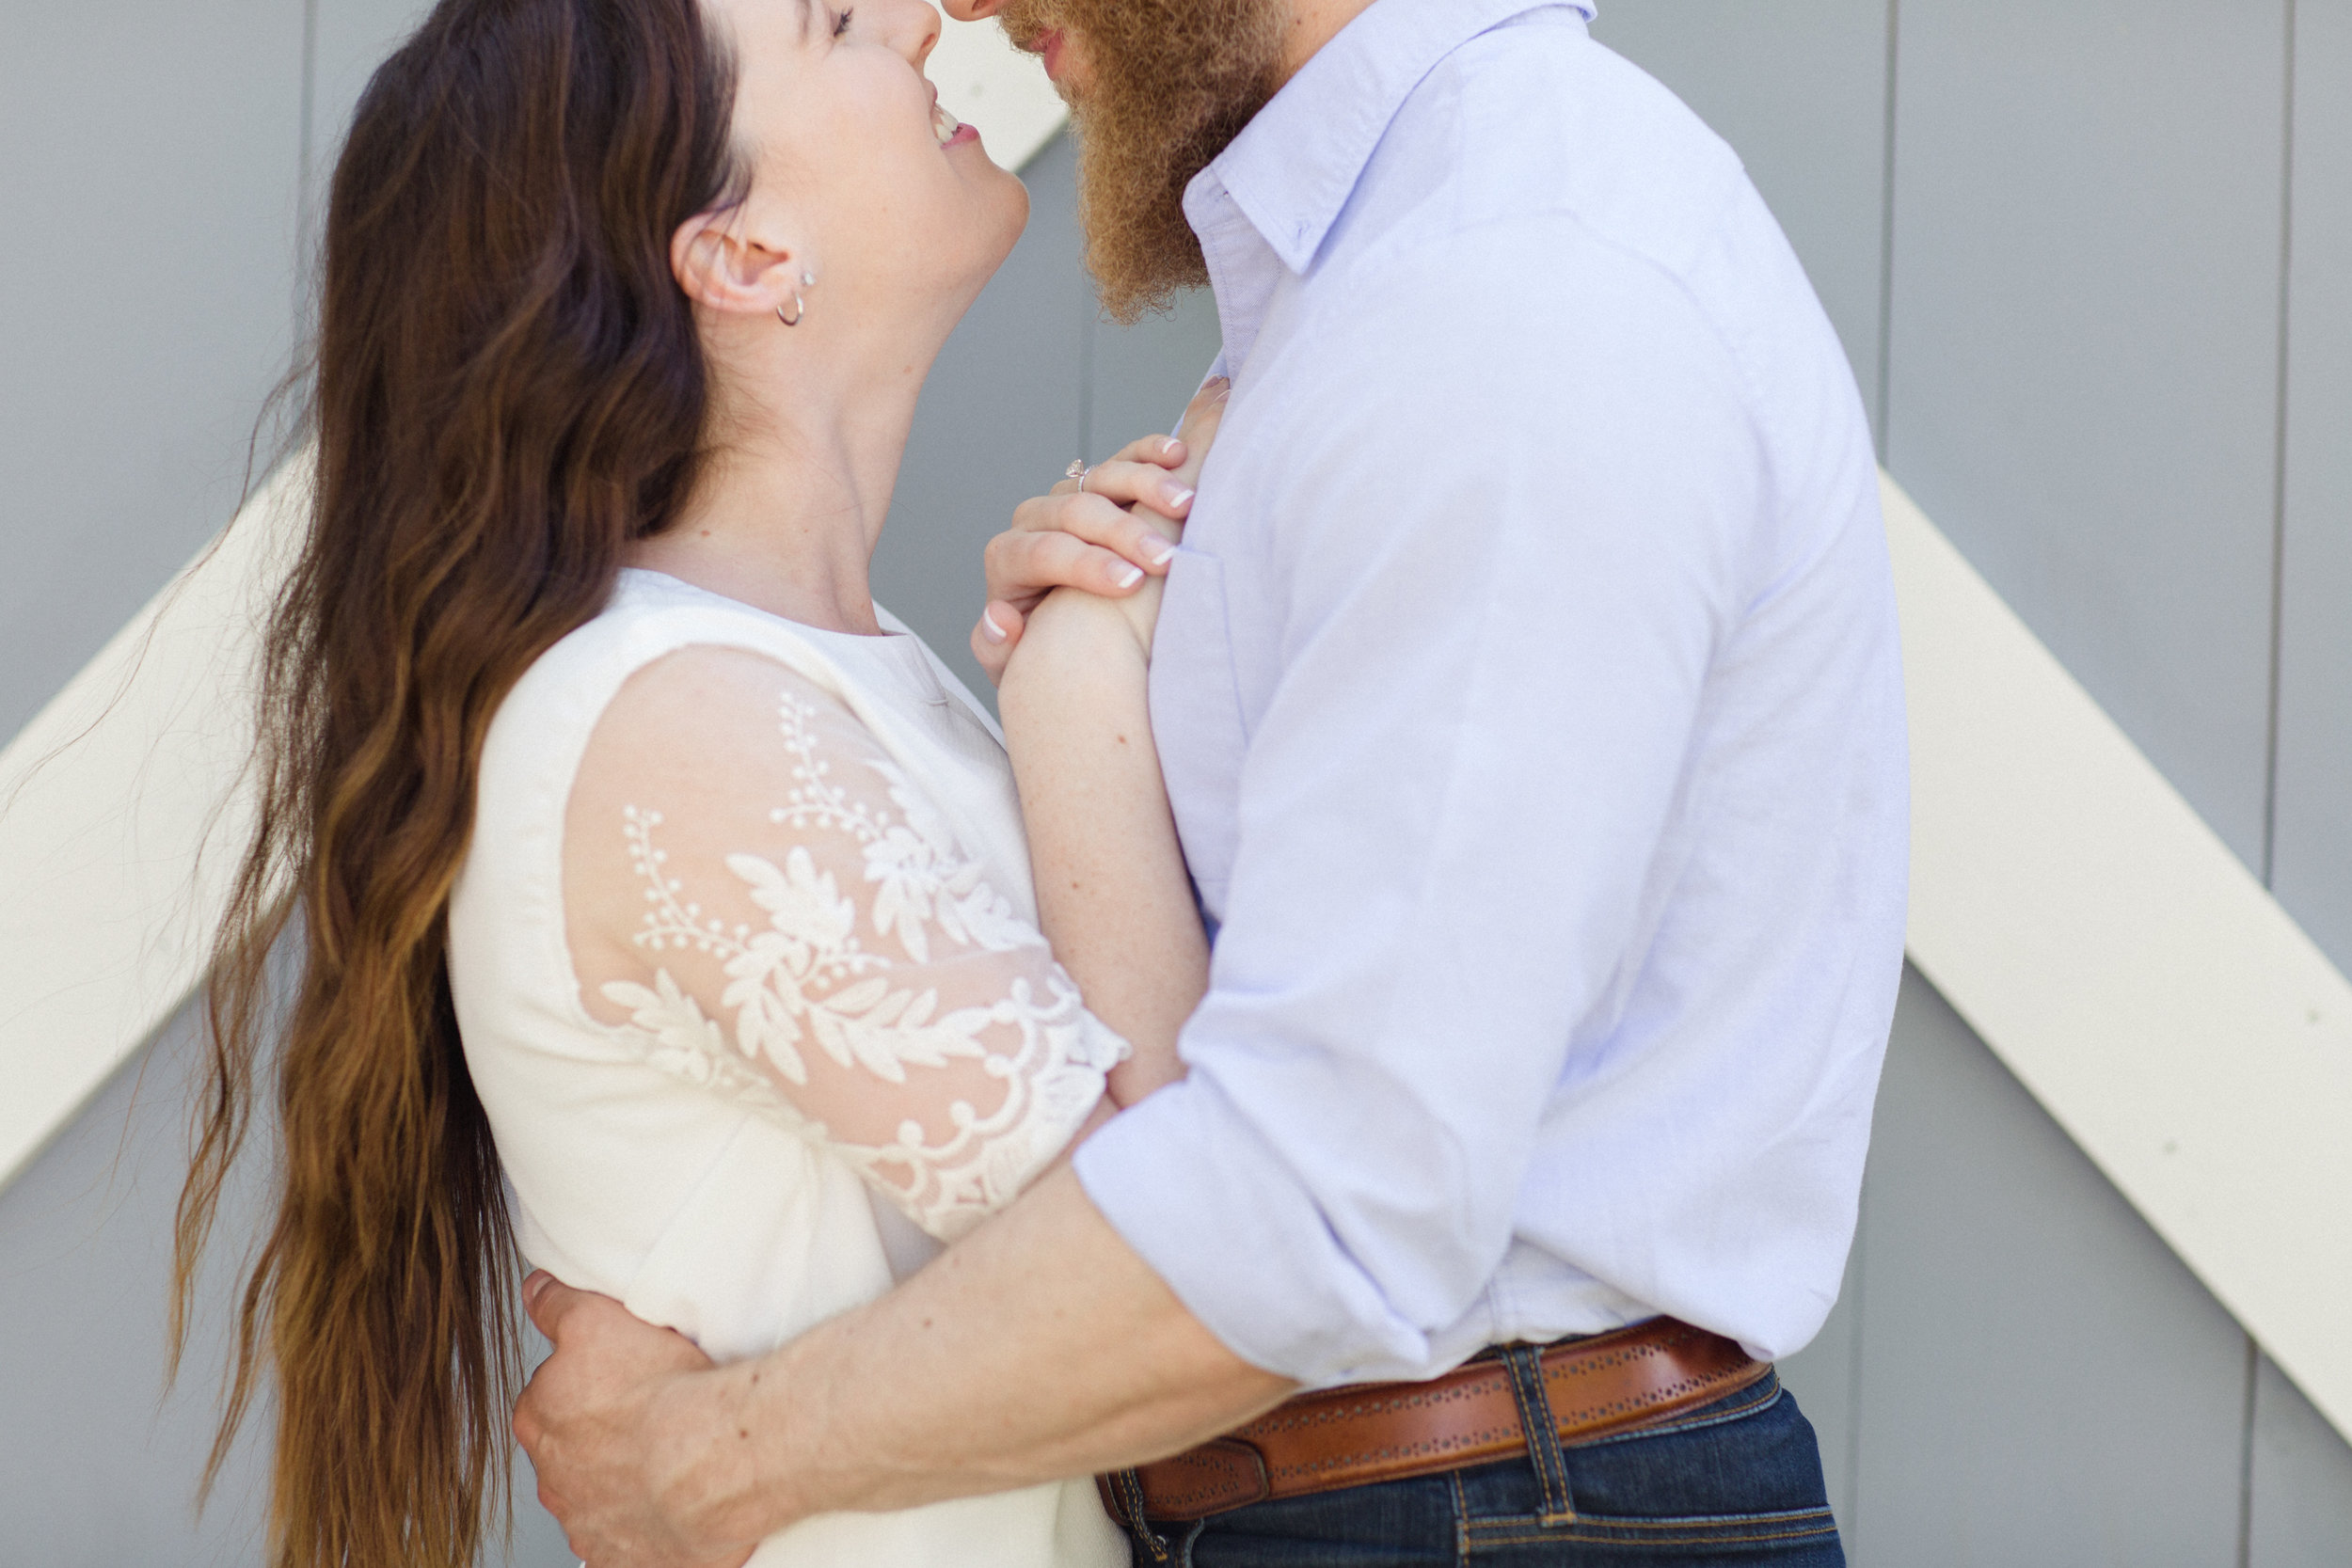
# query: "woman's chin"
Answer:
x=1010 y=210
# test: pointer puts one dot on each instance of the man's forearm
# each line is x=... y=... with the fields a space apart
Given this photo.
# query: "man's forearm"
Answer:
x=1039 y=1347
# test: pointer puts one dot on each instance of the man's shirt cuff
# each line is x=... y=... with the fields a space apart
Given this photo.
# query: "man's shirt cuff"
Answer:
x=1216 y=1213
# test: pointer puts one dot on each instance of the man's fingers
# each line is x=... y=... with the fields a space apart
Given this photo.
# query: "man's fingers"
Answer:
x=1202 y=414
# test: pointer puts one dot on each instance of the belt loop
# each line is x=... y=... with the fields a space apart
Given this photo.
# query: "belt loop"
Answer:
x=1526 y=1364
x=1124 y=1491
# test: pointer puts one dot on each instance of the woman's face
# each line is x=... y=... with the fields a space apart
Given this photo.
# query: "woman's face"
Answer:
x=885 y=197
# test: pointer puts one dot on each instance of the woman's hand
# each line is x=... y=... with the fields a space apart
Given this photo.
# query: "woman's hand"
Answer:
x=1111 y=540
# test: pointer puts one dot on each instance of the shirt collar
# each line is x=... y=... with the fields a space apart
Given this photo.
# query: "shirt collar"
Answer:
x=1292 y=168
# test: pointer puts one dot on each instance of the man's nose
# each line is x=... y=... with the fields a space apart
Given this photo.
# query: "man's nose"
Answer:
x=973 y=10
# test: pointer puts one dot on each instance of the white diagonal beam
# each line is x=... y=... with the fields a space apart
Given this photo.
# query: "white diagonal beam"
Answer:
x=2126 y=967
x=123 y=812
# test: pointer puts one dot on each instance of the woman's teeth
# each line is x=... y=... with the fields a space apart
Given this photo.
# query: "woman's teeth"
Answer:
x=944 y=125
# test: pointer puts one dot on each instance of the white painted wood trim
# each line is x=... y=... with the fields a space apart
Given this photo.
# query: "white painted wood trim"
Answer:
x=2126 y=967
x=121 y=815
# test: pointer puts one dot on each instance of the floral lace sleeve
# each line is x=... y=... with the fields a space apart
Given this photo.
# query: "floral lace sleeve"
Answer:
x=804 y=933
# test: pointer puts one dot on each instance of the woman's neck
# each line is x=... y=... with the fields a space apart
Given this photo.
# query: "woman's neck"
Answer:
x=792 y=498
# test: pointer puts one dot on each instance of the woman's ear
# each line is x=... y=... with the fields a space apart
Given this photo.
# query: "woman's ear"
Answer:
x=723 y=269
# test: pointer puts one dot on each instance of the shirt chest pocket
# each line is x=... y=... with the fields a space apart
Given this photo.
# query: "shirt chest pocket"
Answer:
x=1197 y=720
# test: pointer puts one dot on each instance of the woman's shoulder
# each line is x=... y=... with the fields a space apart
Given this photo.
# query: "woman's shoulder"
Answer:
x=675 y=702
x=649 y=621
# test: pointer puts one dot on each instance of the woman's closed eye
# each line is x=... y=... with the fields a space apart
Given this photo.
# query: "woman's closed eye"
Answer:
x=841 y=21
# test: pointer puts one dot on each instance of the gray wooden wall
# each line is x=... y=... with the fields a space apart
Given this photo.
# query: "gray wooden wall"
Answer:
x=2093 y=261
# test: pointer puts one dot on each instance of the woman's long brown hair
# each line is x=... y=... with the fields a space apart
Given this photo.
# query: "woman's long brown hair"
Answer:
x=509 y=389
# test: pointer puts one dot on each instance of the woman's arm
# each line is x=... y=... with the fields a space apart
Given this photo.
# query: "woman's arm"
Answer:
x=1112 y=895
x=758 y=900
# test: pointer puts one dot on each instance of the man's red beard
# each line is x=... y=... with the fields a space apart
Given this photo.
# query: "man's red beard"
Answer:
x=1167 y=84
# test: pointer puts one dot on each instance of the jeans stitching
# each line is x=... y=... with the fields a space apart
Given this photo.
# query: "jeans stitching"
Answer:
x=1581 y=1535
x=1682 y=1521
x=1733 y=1529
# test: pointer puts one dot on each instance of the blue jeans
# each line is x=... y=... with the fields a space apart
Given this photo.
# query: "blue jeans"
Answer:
x=1738 y=1482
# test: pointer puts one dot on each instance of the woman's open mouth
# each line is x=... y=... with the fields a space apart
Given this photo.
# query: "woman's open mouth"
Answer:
x=950 y=131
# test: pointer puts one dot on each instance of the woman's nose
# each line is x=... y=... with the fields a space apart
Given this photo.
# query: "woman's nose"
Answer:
x=914 y=29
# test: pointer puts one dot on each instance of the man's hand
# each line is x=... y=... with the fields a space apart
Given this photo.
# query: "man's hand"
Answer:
x=1106 y=539
x=630 y=1483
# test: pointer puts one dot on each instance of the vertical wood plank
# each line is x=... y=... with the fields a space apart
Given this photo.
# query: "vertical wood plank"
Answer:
x=2085 y=319
x=2300 y=1513
x=103 y=1474
x=150 y=189
x=2300 y=1510
x=2313 y=860
x=2042 y=1381
x=1140 y=377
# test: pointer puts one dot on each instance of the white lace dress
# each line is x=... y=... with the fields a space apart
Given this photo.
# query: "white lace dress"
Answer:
x=836 y=1040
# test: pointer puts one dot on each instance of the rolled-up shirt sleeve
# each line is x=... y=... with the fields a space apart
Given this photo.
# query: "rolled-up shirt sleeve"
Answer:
x=1494 y=586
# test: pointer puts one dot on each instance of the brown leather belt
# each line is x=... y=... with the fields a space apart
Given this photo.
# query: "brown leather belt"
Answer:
x=1612 y=1383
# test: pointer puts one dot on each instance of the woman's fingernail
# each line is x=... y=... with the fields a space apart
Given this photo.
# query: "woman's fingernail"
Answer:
x=1221 y=388
x=1161 y=552
x=1128 y=575
x=990 y=629
x=1180 y=495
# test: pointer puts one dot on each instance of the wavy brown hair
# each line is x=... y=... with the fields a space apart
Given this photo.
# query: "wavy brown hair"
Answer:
x=508 y=390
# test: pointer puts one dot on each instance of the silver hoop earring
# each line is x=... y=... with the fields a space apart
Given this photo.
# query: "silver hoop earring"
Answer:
x=799 y=307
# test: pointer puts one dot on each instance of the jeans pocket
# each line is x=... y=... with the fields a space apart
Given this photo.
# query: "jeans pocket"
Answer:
x=1733 y=1481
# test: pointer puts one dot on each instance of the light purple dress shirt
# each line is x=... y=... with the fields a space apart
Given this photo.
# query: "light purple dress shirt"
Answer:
x=1529 y=695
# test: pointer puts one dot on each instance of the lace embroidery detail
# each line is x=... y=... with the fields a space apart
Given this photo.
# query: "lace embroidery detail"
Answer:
x=806 y=979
